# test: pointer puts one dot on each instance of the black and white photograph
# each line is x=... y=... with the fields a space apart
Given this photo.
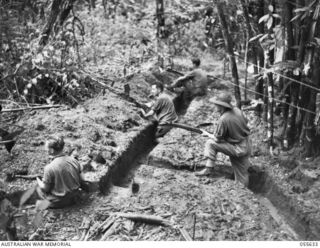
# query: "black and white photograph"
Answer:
x=159 y=120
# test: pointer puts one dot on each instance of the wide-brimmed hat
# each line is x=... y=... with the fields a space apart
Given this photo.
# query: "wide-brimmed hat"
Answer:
x=223 y=99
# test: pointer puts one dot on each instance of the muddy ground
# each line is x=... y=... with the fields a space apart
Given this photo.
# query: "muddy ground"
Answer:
x=215 y=208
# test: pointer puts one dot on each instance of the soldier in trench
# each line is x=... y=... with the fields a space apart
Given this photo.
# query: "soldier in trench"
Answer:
x=162 y=109
x=62 y=178
x=194 y=83
x=231 y=138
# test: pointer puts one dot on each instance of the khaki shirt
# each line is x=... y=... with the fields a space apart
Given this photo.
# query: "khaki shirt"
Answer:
x=165 y=110
x=196 y=82
x=63 y=176
x=232 y=127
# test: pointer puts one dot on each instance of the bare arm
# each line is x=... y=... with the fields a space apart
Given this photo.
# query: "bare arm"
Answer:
x=209 y=135
x=150 y=113
x=43 y=186
x=180 y=80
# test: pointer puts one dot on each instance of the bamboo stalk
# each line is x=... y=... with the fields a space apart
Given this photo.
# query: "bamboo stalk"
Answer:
x=229 y=51
x=194 y=226
x=86 y=226
x=110 y=231
x=5 y=142
x=150 y=219
x=185 y=234
x=246 y=69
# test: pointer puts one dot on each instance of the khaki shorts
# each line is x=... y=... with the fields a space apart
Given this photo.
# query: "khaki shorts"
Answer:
x=238 y=153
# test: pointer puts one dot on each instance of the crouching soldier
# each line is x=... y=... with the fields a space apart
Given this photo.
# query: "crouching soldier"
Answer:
x=163 y=109
x=231 y=138
x=62 y=177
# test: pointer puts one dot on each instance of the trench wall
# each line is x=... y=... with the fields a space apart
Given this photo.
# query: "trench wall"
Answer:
x=139 y=146
x=301 y=222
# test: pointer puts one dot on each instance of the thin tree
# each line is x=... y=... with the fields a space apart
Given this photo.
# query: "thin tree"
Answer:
x=229 y=49
x=160 y=29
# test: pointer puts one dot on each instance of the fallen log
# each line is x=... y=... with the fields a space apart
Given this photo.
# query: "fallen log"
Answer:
x=149 y=219
x=32 y=108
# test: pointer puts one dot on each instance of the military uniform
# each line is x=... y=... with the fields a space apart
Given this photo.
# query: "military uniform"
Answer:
x=165 y=113
x=63 y=177
x=195 y=83
x=232 y=135
x=232 y=139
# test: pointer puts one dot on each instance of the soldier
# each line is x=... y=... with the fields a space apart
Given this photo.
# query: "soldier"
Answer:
x=62 y=177
x=194 y=82
x=231 y=138
x=163 y=109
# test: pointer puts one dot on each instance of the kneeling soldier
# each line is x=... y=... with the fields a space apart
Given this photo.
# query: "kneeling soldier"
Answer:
x=231 y=138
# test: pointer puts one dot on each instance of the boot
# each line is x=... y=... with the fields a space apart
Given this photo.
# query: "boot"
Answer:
x=205 y=172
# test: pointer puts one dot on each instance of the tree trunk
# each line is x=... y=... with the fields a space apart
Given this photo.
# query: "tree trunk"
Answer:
x=104 y=4
x=160 y=18
x=290 y=116
x=246 y=68
x=66 y=9
x=229 y=50
x=55 y=10
x=311 y=70
x=161 y=34
x=270 y=109
x=251 y=46
x=258 y=13
x=302 y=40
x=60 y=11
x=270 y=102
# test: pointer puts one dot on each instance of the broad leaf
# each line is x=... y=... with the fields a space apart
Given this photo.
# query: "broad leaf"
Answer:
x=295 y=17
x=270 y=22
x=3 y=221
x=271 y=8
x=255 y=37
x=42 y=205
x=263 y=37
x=5 y=206
x=37 y=220
x=264 y=18
x=317 y=41
x=276 y=16
x=301 y=9
x=26 y=196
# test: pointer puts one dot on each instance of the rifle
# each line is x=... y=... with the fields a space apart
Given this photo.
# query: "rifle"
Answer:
x=183 y=126
x=13 y=176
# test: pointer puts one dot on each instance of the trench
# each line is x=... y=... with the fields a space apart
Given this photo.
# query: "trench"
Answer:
x=262 y=184
x=143 y=143
x=281 y=207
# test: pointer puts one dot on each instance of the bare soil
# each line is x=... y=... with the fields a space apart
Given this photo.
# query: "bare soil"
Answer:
x=215 y=208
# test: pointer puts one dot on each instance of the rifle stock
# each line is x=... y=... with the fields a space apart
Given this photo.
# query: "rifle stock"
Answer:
x=183 y=126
